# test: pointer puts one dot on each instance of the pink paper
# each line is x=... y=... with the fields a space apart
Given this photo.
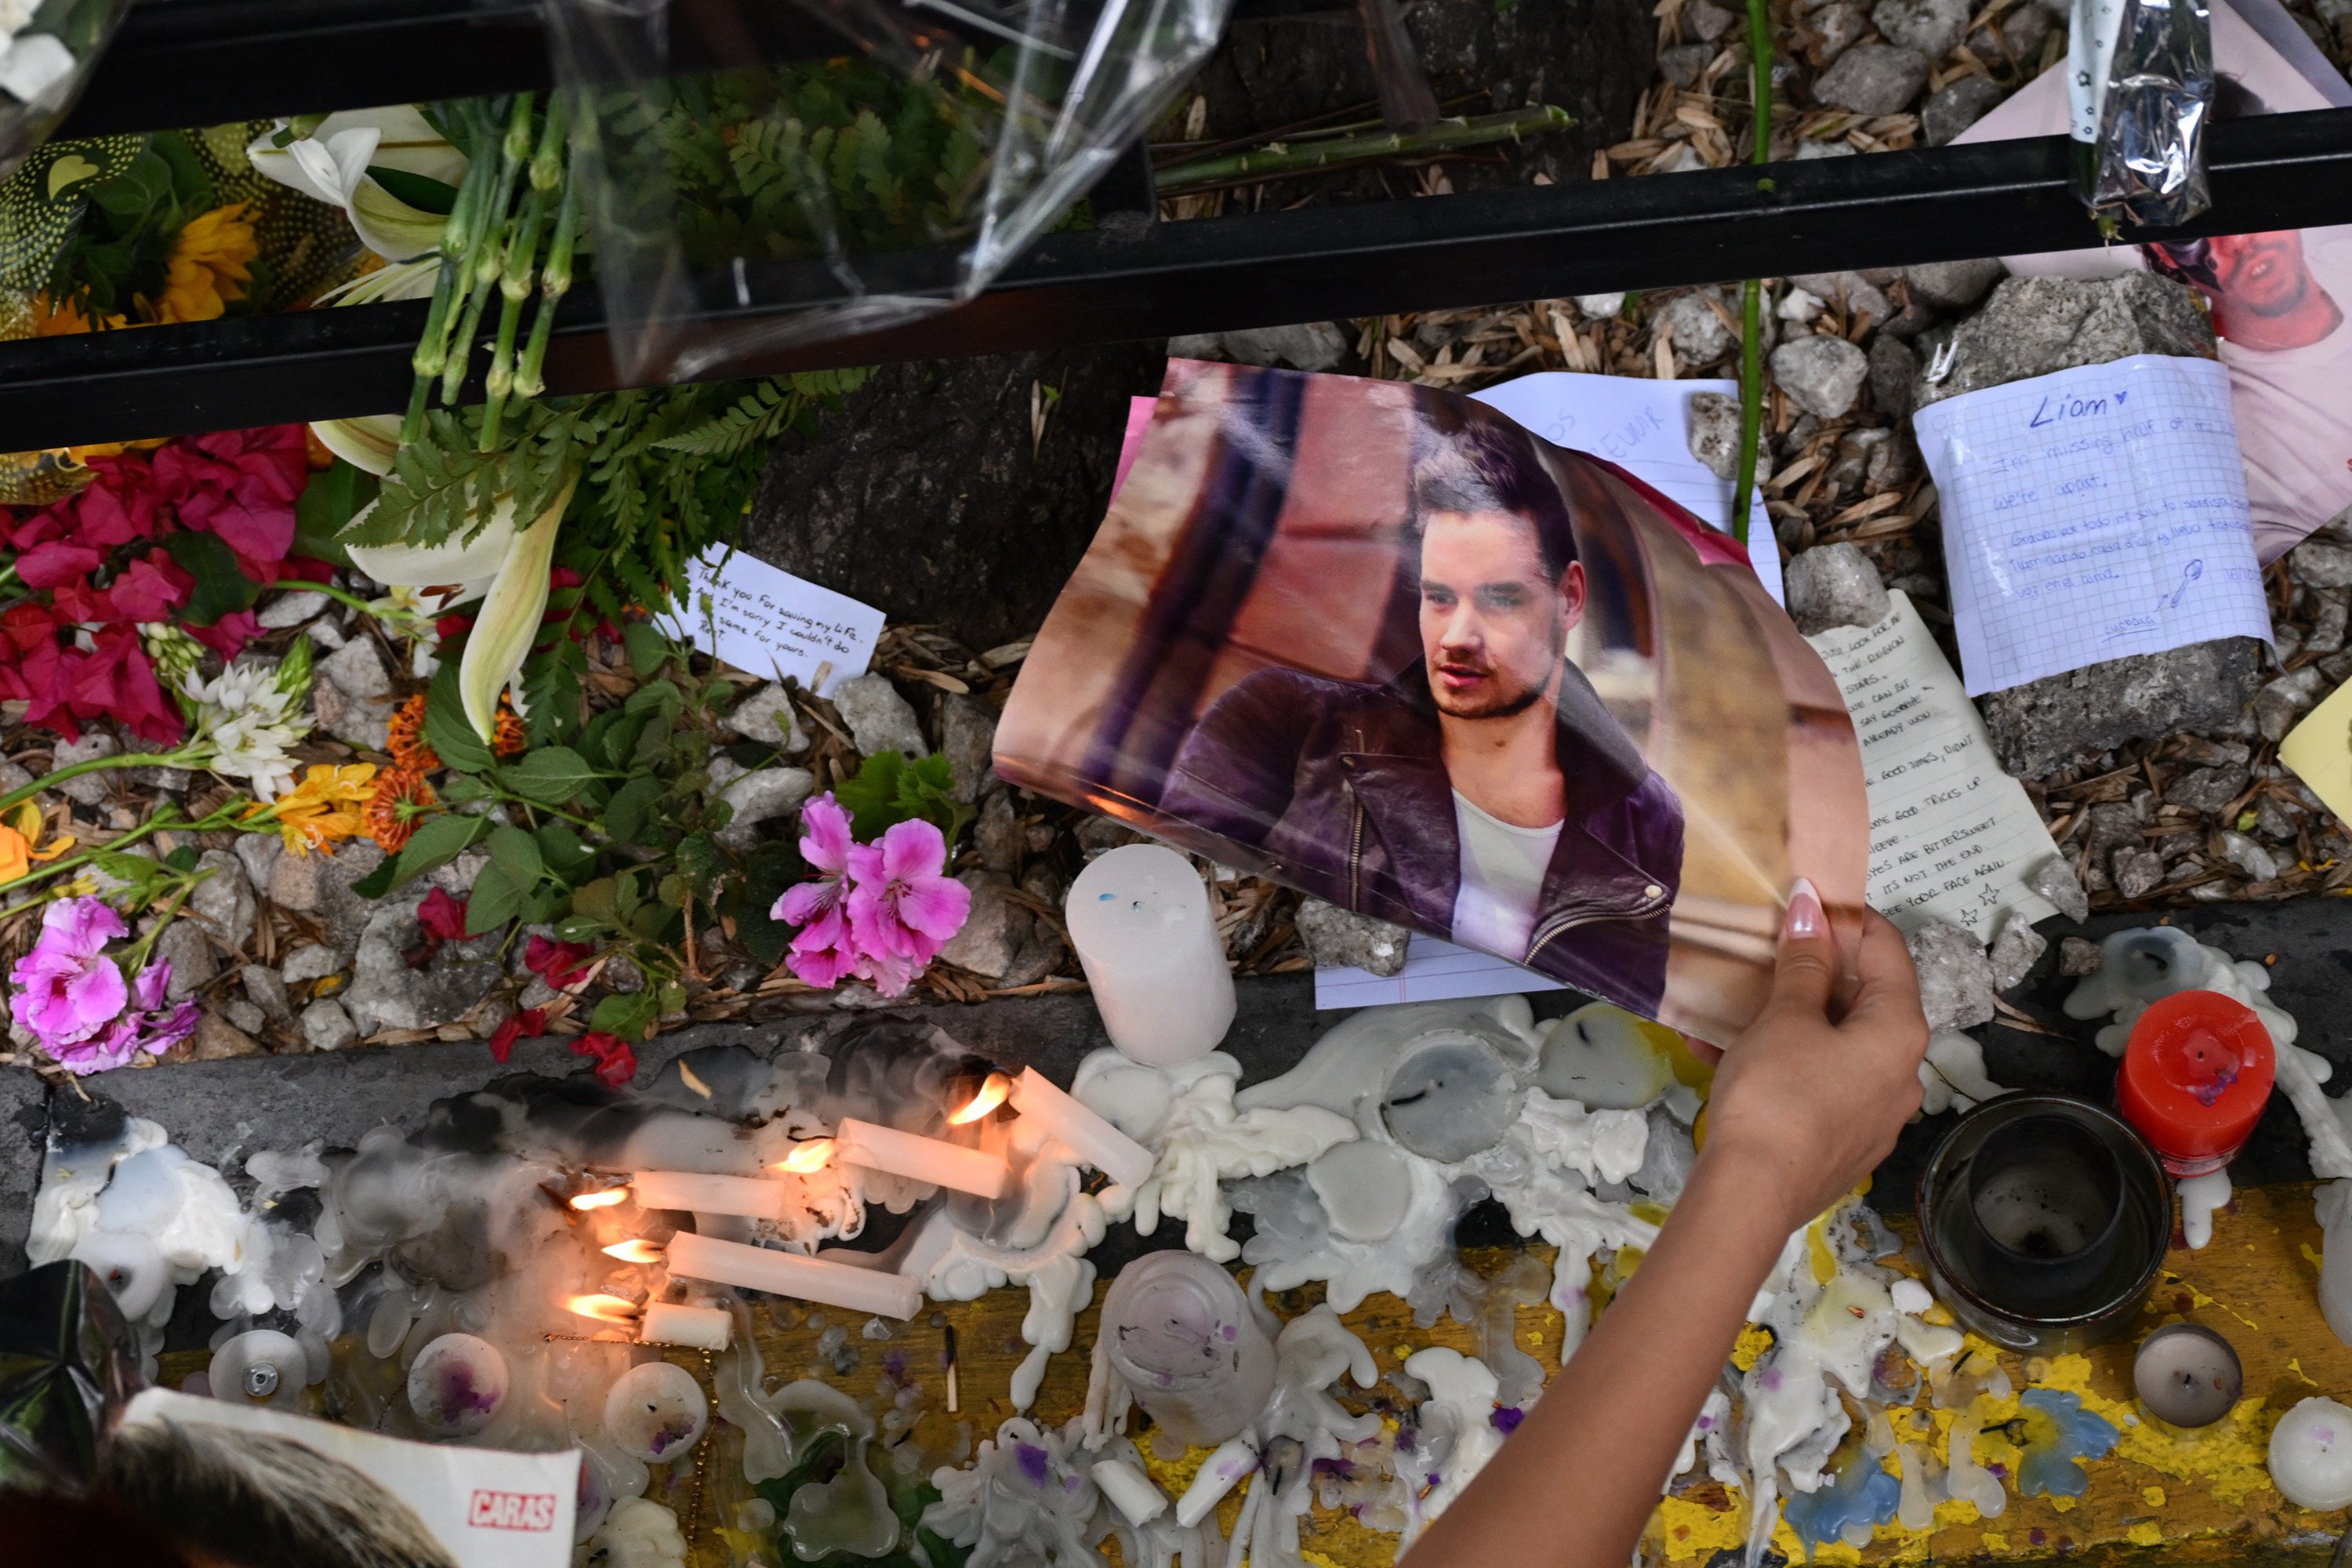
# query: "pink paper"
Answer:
x=1139 y=420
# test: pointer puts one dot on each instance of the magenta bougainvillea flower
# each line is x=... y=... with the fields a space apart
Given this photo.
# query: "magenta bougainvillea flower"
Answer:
x=881 y=911
x=76 y=1004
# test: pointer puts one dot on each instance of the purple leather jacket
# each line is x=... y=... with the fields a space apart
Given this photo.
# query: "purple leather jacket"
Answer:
x=1340 y=789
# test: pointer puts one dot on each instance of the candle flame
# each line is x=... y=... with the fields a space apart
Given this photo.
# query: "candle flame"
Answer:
x=604 y=1309
x=813 y=1155
x=636 y=1249
x=991 y=1095
x=601 y=1200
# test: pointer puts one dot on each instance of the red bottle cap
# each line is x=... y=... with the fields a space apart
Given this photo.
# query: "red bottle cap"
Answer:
x=2195 y=1079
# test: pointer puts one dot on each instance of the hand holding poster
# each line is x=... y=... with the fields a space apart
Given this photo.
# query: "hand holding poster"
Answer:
x=1381 y=643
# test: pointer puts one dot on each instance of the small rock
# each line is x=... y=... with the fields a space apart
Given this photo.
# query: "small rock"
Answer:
x=2320 y=563
x=2056 y=880
x=1930 y=27
x=1304 y=346
x=285 y=610
x=267 y=989
x=190 y=956
x=2258 y=863
x=1097 y=834
x=2077 y=957
x=992 y=935
x=319 y=884
x=2015 y=952
x=327 y=1028
x=2024 y=30
x=1834 y=585
x=1822 y=374
x=1342 y=939
x=1858 y=294
x=2328 y=627
x=998 y=835
x=2038 y=725
x=223 y=902
x=357 y=669
x=243 y=1015
x=2282 y=703
x=879 y=720
x=622 y=973
x=2032 y=326
x=1952 y=285
x=1680 y=159
x=1834 y=28
x=2137 y=871
x=92 y=788
x=309 y=961
x=361 y=722
x=1956 y=981
x=1600 y=307
x=2207 y=789
x=1893 y=368
x=1715 y=437
x=762 y=796
x=258 y=853
x=226 y=1034
x=456 y=877
x=767 y=716
x=1894 y=463
x=1811 y=149
x=1958 y=105
x=1683 y=65
x=1702 y=19
x=1874 y=79
x=1800 y=306
x=386 y=994
x=968 y=740
x=1700 y=338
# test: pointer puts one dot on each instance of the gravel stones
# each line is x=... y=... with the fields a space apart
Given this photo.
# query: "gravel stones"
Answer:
x=89 y=789
x=1952 y=285
x=223 y=903
x=326 y=1026
x=2258 y=863
x=353 y=695
x=1003 y=940
x=1715 y=437
x=387 y=993
x=762 y=795
x=2281 y=704
x=1700 y=336
x=2137 y=872
x=2042 y=723
x=183 y=946
x=1834 y=585
x=1874 y=79
x=2321 y=563
x=1343 y=937
x=1893 y=368
x=1833 y=28
x=2207 y=790
x=319 y=884
x=2032 y=326
x=1822 y=374
x=1956 y=979
x=1957 y=105
x=1306 y=345
x=1930 y=27
x=265 y=987
x=357 y=669
x=2077 y=957
x=309 y=961
x=2014 y=952
x=968 y=741
x=767 y=716
x=2056 y=880
x=879 y=720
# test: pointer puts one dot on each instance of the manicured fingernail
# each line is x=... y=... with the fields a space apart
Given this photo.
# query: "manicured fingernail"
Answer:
x=1805 y=916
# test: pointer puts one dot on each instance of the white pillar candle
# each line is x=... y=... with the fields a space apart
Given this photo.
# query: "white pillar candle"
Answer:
x=676 y=1323
x=699 y=1193
x=870 y=1290
x=456 y=1383
x=1220 y=1473
x=2311 y=1455
x=1139 y=919
x=1087 y=1135
x=1135 y=1495
x=921 y=1159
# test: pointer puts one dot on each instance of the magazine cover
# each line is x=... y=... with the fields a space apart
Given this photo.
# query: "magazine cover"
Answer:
x=1381 y=643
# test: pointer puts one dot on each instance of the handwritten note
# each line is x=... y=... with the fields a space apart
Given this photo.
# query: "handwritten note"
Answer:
x=1951 y=836
x=760 y=618
x=2093 y=513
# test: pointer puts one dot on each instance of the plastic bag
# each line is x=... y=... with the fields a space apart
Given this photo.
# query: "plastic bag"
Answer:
x=47 y=52
x=66 y=1368
x=893 y=167
x=2140 y=78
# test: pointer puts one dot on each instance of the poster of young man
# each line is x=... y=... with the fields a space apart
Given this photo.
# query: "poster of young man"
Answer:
x=1382 y=644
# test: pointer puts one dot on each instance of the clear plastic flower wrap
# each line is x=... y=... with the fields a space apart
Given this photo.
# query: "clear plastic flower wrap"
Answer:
x=2140 y=78
x=761 y=175
x=47 y=49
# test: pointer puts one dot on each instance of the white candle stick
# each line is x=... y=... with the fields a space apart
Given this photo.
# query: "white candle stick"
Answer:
x=1139 y=919
x=921 y=1159
x=701 y=1194
x=676 y=1323
x=1087 y=1135
x=870 y=1290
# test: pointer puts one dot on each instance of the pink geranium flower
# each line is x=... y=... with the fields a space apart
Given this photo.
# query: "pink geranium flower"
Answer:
x=825 y=952
x=67 y=990
x=903 y=908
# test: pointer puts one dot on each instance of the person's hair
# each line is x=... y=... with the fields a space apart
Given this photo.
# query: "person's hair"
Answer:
x=262 y=1501
x=1484 y=464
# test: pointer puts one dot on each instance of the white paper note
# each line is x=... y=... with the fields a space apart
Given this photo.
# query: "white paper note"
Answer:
x=2093 y=513
x=1952 y=838
x=763 y=619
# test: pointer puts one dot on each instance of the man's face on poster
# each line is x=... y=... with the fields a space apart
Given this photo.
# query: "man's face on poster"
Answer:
x=2261 y=274
x=1493 y=624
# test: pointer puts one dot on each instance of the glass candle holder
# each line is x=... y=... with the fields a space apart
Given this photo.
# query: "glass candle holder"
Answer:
x=2045 y=1219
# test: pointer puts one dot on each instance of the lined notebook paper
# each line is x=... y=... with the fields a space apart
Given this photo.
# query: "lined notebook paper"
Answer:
x=2093 y=513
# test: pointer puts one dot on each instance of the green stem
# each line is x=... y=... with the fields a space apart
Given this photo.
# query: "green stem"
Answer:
x=1751 y=293
x=554 y=282
x=485 y=253
x=457 y=242
x=520 y=271
x=194 y=756
x=1281 y=158
x=134 y=958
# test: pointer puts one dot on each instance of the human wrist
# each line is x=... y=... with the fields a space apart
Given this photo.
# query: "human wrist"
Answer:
x=1750 y=1186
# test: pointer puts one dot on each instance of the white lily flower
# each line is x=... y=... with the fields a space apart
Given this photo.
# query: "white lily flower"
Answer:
x=33 y=65
x=369 y=442
x=331 y=165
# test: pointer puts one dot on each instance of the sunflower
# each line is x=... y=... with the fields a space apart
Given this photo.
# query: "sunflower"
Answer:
x=401 y=796
x=326 y=807
x=210 y=265
x=410 y=751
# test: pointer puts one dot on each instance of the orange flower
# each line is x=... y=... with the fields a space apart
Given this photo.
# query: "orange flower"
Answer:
x=326 y=807
x=20 y=844
x=407 y=744
x=510 y=739
x=401 y=796
x=209 y=266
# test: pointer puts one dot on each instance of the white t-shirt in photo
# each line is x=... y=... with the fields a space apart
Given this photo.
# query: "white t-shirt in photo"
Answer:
x=1502 y=876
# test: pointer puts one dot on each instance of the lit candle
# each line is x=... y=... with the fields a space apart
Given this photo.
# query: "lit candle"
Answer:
x=2195 y=1079
x=921 y=1159
x=699 y=1193
x=1087 y=1135
x=869 y=1290
x=676 y=1323
x=1139 y=919
x=2188 y=1375
x=2311 y=1455
x=456 y=1385
x=657 y=1412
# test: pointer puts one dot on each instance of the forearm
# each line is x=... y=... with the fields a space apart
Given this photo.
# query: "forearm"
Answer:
x=1578 y=1480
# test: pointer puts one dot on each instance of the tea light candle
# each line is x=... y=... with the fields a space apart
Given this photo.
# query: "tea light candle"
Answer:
x=2188 y=1375
x=2195 y=1078
x=1086 y=1133
x=698 y=1194
x=921 y=1159
x=869 y=1290
x=260 y=1366
x=2311 y=1455
x=456 y=1385
x=657 y=1412
x=1606 y=1058
x=676 y=1323
x=1139 y=919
